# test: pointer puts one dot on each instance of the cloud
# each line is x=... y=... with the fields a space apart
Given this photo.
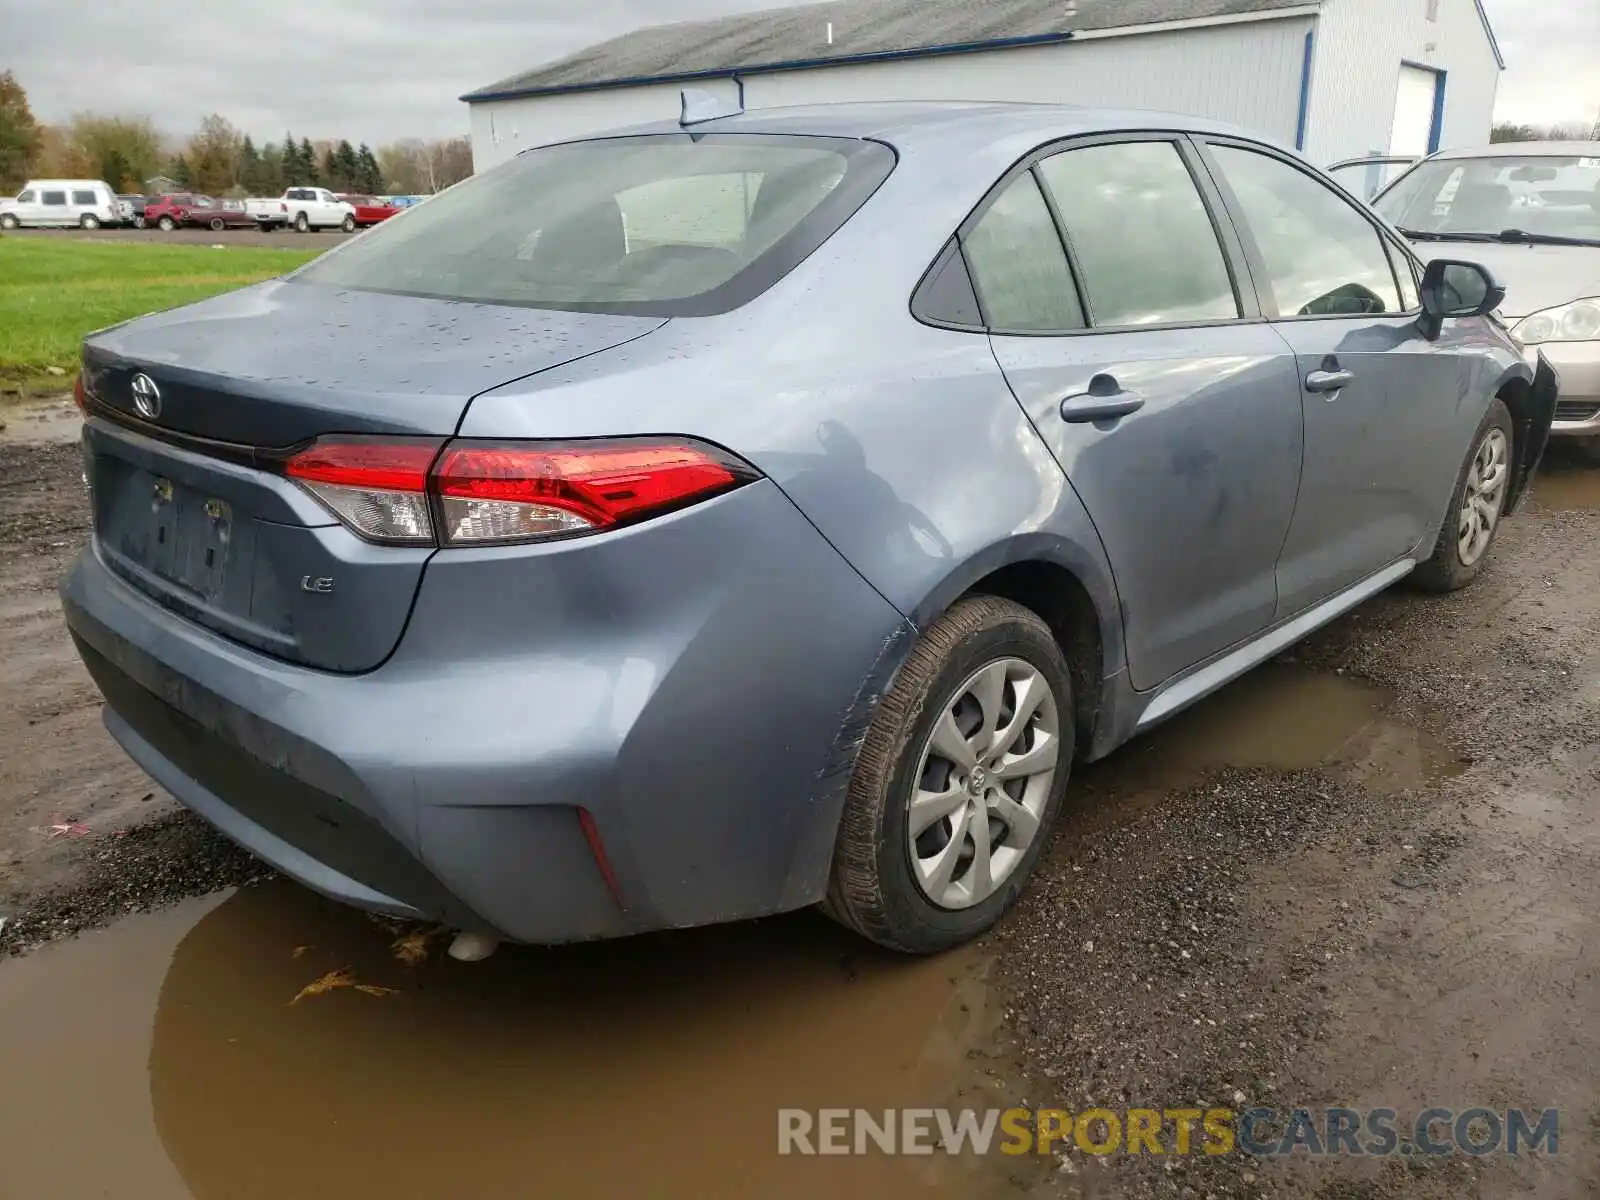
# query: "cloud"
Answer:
x=1551 y=48
x=381 y=71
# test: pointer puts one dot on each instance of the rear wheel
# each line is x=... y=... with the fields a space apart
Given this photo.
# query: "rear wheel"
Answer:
x=138 y=222
x=218 y=224
x=1476 y=507
x=166 y=224
x=957 y=783
x=302 y=224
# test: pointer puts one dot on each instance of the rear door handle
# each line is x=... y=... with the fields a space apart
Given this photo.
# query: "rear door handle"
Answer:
x=1089 y=406
x=1329 y=381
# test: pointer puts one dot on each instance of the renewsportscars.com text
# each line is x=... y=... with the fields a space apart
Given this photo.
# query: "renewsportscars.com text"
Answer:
x=1260 y=1132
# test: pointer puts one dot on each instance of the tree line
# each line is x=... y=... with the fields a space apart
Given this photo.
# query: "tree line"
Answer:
x=1507 y=131
x=217 y=159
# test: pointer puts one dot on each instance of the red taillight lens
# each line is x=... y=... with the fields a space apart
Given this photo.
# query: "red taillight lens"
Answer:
x=518 y=493
x=377 y=488
x=389 y=490
x=80 y=394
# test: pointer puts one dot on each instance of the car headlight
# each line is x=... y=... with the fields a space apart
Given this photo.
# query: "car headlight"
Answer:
x=1578 y=321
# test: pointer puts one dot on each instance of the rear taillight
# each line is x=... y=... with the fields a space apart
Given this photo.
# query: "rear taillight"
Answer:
x=379 y=489
x=412 y=492
x=80 y=394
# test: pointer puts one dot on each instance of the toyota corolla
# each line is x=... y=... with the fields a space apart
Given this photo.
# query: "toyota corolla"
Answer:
x=706 y=522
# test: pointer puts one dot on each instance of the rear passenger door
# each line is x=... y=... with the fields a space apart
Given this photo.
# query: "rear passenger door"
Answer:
x=1379 y=399
x=1119 y=314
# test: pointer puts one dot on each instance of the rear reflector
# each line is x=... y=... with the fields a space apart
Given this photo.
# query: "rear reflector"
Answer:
x=407 y=491
x=377 y=488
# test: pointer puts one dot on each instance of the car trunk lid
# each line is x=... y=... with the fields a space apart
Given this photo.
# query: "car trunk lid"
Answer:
x=189 y=501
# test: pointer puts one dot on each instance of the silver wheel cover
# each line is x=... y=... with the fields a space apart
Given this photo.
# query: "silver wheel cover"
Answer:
x=983 y=779
x=1484 y=496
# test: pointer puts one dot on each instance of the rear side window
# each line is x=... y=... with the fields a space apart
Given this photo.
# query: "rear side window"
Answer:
x=53 y=198
x=664 y=225
x=1143 y=238
x=1019 y=265
x=1323 y=258
x=83 y=198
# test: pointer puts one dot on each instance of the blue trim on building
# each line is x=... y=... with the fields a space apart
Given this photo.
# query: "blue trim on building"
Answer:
x=1437 y=128
x=798 y=64
x=1305 y=91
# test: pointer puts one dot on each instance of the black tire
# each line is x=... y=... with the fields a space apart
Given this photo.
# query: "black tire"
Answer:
x=1444 y=571
x=218 y=224
x=88 y=221
x=872 y=888
x=302 y=224
x=138 y=222
x=349 y=225
x=166 y=224
x=8 y=221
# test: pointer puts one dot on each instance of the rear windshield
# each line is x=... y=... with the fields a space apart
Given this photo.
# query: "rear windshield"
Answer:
x=669 y=225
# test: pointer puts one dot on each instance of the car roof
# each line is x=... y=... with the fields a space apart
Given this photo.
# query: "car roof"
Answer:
x=900 y=122
x=1526 y=150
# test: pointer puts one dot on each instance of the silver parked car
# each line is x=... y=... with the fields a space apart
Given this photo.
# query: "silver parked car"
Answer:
x=694 y=524
x=1530 y=211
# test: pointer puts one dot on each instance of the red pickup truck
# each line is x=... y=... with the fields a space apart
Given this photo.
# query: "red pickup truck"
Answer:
x=369 y=209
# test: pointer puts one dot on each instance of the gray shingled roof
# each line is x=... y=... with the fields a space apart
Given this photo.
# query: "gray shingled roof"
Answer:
x=862 y=29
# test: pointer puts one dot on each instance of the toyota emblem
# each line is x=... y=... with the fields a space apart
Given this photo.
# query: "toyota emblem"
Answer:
x=146 y=397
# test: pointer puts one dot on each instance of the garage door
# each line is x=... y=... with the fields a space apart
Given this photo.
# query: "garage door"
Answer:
x=1413 y=112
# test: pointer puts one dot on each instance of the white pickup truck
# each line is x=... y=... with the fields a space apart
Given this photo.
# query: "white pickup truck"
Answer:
x=303 y=209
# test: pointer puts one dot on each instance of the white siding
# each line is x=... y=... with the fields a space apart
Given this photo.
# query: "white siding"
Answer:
x=501 y=128
x=1474 y=75
x=1246 y=73
x=1360 y=45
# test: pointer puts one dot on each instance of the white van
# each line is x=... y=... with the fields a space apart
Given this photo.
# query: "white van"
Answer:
x=86 y=203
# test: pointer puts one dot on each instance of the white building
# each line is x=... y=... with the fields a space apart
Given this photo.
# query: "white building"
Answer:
x=1336 y=78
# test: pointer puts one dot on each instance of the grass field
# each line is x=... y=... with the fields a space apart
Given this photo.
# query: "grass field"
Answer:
x=52 y=292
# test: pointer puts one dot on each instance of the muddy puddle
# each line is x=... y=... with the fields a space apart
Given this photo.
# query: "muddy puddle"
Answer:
x=1567 y=482
x=1278 y=716
x=168 y=1056
x=33 y=422
x=165 y=1057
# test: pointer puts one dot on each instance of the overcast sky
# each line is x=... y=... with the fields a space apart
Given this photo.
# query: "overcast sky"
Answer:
x=378 y=70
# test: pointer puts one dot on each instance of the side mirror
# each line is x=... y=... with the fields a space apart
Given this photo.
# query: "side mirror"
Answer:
x=1456 y=289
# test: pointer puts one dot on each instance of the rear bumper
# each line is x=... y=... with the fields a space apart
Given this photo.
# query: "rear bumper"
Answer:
x=687 y=683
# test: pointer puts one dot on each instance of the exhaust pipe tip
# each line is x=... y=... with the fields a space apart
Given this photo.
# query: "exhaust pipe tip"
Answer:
x=473 y=947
